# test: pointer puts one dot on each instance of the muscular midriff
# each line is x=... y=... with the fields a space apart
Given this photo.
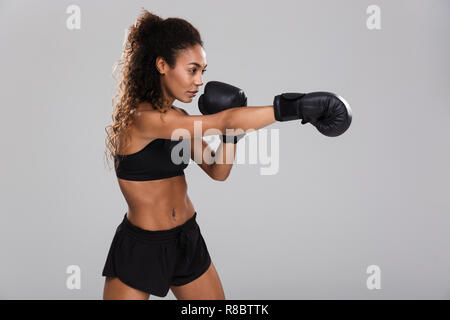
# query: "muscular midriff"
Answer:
x=155 y=204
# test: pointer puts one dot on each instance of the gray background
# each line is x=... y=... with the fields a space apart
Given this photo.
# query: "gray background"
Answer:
x=377 y=195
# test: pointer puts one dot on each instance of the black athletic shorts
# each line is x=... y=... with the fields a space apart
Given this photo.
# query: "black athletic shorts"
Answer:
x=152 y=261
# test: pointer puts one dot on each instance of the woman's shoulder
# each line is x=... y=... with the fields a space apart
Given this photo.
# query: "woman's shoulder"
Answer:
x=144 y=120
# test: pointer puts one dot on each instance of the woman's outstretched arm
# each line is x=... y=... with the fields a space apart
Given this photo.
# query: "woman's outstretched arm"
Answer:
x=249 y=117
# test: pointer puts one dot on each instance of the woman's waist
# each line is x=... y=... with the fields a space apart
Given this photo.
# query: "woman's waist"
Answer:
x=160 y=235
x=160 y=216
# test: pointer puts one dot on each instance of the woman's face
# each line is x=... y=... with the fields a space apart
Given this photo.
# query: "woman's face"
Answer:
x=186 y=77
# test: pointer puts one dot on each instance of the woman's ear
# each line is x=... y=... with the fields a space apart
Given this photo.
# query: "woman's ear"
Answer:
x=161 y=65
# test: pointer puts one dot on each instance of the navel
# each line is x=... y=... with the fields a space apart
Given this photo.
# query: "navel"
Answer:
x=173 y=213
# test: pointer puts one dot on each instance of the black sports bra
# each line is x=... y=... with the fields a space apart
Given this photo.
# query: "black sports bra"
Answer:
x=154 y=161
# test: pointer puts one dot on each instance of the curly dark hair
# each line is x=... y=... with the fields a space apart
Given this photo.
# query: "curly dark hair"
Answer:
x=150 y=37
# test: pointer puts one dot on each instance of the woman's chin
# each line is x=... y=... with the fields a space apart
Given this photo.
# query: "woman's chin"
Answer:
x=186 y=100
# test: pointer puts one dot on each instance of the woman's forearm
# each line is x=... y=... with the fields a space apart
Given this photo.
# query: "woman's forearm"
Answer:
x=224 y=160
x=249 y=117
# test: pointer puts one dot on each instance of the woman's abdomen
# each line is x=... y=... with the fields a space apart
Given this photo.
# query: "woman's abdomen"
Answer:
x=159 y=204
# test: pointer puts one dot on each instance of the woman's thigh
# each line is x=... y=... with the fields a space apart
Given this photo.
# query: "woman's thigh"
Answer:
x=117 y=290
x=206 y=287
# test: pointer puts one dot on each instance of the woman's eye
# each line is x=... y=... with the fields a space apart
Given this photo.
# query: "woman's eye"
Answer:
x=195 y=70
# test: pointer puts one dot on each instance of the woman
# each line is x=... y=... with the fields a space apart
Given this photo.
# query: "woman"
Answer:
x=159 y=245
x=163 y=61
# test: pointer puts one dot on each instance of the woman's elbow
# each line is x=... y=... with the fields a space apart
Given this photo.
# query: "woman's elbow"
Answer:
x=220 y=178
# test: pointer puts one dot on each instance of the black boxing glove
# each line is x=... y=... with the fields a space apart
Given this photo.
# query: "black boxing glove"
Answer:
x=328 y=112
x=220 y=96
